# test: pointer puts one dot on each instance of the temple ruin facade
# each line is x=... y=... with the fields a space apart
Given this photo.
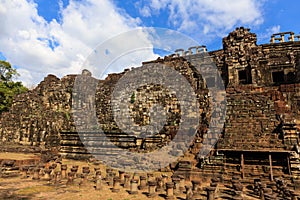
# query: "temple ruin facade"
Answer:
x=261 y=134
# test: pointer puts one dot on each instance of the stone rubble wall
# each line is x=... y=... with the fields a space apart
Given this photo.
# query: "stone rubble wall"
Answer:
x=262 y=85
x=36 y=117
x=255 y=115
x=44 y=115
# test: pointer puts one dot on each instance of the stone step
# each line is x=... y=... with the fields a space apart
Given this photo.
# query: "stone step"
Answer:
x=127 y=144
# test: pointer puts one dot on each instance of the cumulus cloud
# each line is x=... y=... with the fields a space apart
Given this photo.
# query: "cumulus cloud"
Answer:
x=265 y=37
x=145 y=11
x=39 y=47
x=212 y=17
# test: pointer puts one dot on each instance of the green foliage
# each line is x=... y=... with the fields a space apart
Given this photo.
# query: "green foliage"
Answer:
x=67 y=115
x=132 y=98
x=8 y=88
x=6 y=71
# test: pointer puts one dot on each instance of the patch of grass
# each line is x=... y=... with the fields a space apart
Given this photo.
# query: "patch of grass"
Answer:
x=16 y=156
x=35 y=190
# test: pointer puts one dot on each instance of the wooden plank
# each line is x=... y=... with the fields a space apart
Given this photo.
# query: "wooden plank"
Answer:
x=242 y=165
x=271 y=169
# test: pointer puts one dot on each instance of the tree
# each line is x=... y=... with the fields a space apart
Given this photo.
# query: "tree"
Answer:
x=6 y=71
x=8 y=87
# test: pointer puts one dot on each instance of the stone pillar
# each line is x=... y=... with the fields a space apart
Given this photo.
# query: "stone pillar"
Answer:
x=74 y=169
x=160 y=185
x=190 y=52
x=282 y=37
x=36 y=174
x=30 y=171
x=181 y=183
x=98 y=180
x=151 y=187
x=57 y=177
x=143 y=183
x=150 y=177
x=24 y=172
x=196 y=185
x=292 y=37
x=210 y=191
x=108 y=172
x=257 y=184
x=170 y=188
x=71 y=176
x=83 y=180
x=176 y=182
x=96 y=169
x=98 y=175
x=261 y=192
x=164 y=180
x=126 y=181
x=189 y=192
x=47 y=176
x=85 y=171
x=133 y=186
x=121 y=176
x=214 y=183
x=63 y=171
x=53 y=166
x=110 y=178
x=179 y=52
x=116 y=186
x=136 y=176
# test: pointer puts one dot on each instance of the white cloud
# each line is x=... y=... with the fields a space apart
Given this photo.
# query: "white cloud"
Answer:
x=212 y=16
x=266 y=35
x=274 y=29
x=145 y=11
x=38 y=47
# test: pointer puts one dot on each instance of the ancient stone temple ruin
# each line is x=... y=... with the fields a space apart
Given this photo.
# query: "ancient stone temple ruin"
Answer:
x=261 y=134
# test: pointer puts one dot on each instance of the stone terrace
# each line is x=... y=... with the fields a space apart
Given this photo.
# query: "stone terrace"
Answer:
x=260 y=140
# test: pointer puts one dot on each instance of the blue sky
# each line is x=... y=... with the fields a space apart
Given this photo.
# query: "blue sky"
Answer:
x=42 y=36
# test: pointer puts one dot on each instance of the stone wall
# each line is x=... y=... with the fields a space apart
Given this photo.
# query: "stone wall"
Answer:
x=242 y=61
x=262 y=85
x=255 y=116
x=37 y=117
x=44 y=115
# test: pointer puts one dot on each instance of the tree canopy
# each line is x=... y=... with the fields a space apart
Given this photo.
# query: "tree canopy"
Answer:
x=8 y=87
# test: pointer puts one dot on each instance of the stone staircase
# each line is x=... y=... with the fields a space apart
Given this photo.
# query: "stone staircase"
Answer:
x=290 y=132
x=251 y=119
x=72 y=145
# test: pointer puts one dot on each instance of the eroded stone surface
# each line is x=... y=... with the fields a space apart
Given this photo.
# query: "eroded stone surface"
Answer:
x=261 y=132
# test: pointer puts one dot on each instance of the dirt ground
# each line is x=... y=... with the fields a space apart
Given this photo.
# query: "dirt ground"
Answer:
x=19 y=188
x=29 y=189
